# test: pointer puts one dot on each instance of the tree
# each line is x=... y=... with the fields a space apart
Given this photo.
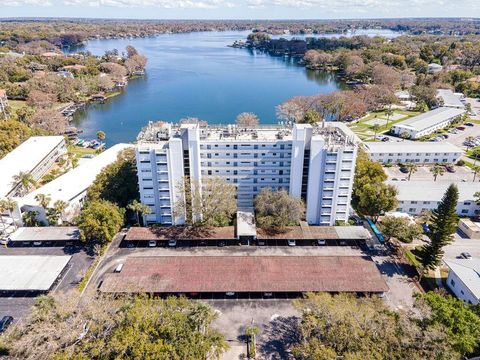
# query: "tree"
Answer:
x=277 y=209
x=100 y=135
x=139 y=209
x=375 y=199
x=460 y=320
x=99 y=221
x=375 y=128
x=347 y=327
x=476 y=171
x=43 y=200
x=30 y=218
x=117 y=182
x=49 y=120
x=8 y=204
x=412 y=168
x=209 y=203
x=437 y=170
x=443 y=225
x=41 y=99
x=247 y=119
x=400 y=228
x=60 y=206
x=25 y=180
x=130 y=327
x=131 y=51
x=311 y=117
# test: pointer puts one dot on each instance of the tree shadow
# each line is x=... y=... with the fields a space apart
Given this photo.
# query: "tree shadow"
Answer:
x=278 y=337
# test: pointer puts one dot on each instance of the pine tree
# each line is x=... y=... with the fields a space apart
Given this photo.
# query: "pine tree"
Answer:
x=444 y=223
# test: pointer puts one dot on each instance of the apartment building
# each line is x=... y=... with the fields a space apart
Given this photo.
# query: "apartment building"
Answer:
x=415 y=197
x=36 y=156
x=415 y=152
x=426 y=123
x=313 y=163
x=450 y=99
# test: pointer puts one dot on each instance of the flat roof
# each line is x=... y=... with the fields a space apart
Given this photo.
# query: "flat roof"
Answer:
x=411 y=147
x=30 y=273
x=246 y=222
x=317 y=232
x=77 y=180
x=430 y=118
x=50 y=233
x=25 y=158
x=450 y=99
x=212 y=274
x=433 y=190
x=468 y=270
x=180 y=233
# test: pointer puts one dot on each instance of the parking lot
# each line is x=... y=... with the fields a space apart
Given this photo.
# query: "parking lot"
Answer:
x=462 y=244
x=459 y=138
x=17 y=304
x=423 y=173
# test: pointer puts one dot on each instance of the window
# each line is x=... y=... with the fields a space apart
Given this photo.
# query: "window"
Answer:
x=461 y=292
x=464 y=211
x=452 y=282
x=414 y=202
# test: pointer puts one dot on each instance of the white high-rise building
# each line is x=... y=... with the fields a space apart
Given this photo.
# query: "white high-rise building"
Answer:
x=314 y=163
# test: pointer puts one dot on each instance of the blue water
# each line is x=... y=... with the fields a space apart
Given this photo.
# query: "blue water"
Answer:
x=197 y=75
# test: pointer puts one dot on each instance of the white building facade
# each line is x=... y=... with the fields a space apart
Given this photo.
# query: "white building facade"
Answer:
x=464 y=279
x=316 y=164
x=415 y=152
x=426 y=123
x=416 y=197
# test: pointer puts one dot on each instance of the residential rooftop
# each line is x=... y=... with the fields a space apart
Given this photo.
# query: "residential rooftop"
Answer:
x=468 y=270
x=24 y=158
x=220 y=274
x=334 y=133
x=430 y=118
x=76 y=181
x=433 y=190
x=407 y=146
x=30 y=273
x=449 y=98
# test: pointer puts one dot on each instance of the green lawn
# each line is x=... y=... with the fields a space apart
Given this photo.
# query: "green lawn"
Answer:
x=79 y=151
x=364 y=127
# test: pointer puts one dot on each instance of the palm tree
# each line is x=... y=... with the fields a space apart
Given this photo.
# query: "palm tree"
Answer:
x=375 y=128
x=436 y=170
x=139 y=209
x=476 y=171
x=388 y=112
x=3 y=208
x=30 y=218
x=412 y=168
x=25 y=180
x=60 y=206
x=11 y=205
x=476 y=155
x=43 y=200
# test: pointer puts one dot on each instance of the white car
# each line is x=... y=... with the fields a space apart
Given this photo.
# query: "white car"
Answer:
x=172 y=243
x=322 y=242
x=152 y=243
x=292 y=243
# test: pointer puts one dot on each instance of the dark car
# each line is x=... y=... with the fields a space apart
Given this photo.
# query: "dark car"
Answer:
x=466 y=255
x=450 y=168
x=469 y=124
x=5 y=323
x=404 y=170
x=460 y=127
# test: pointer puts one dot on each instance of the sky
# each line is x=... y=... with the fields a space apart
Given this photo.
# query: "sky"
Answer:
x=240 y=9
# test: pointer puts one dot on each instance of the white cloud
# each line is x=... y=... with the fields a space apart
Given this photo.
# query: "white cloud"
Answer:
x=166 y=4
x=25 y=2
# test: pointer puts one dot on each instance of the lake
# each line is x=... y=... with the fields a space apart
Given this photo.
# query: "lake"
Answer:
x=197 y=75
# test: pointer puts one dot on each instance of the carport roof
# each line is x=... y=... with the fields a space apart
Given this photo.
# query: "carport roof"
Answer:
x=317 y=232
x=180 y=233
x=30 y=273
x=213 y=274
x=50 y=233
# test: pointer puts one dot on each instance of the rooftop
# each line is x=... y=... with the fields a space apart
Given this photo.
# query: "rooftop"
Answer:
x=449 y=98
x=318 y=232
x=30 y=273
x=246 y=222
x=411 y=147
x=468 y=270
x=415 y=190
x=25 y=158
x=51 y=233
x=180 y=233
x=217 y=274
x=333 y=132
x=430 y=118
x=77 y=180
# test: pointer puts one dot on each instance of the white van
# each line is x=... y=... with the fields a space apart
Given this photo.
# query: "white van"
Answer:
x=118 y=268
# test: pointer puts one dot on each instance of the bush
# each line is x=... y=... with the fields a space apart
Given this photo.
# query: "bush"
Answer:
x=460 y=163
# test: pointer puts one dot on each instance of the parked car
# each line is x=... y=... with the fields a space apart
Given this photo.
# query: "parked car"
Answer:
x=460 y=128
x=172 y=242
x=469 y=124
x=292 y=242
x=466 y=255
x=118 y=268
x=450 y=168
x=221 y=243
x=5 y=323
x=425 y=228
x=404 y=170
x=268 y=294
x=152 y=243
x=385 y=138
x=321 y=242
x=230 y=293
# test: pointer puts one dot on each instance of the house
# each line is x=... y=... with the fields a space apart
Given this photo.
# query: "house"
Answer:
x=65 y=74
x=464 y=279
x=426 y=123
x=413 y=151
x=469 y=228
x=434 y=68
